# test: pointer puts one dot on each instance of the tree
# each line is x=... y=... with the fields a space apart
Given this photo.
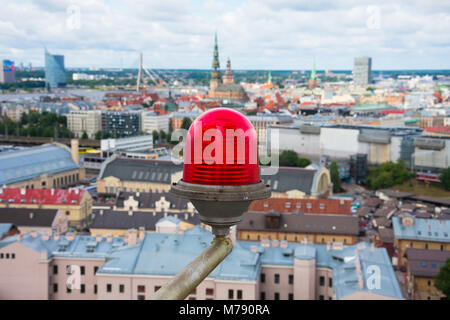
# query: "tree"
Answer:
x=445 y=179
x=335 y=178
x=162 y=134
x=155 y=136
x=442 y=280
x=84 y=135
x=186 y=123
x=387 y=174
x=288 y=158
x=303 y=162
x=99 y=135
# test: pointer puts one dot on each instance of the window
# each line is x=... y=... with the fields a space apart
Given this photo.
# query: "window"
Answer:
x=322 y=206
x=13 y=255
x=68 y=290
x=55 y=288
x=1 y=255
x=276 y=296
x=442 y=247
x=426 y=245
x=7 y=256
x=95 y=270
x=95 y=289
x=321 y=297
x=108 y=287
x=291 y=296
x=424 y=264
x=322 y=281
x=83 y=288
x=291 y=279
x=239 y=294
x=263 y=277
x=276 y=278
x=262 y=296
x=141 y=289
x=230 y=294
x=429 y=283
x=141 y=297
x=433 y=265
x=55 y=269
x=157 y=288
x=82 y=271
x=209 y=292
x=121 y=288
x=330 y=282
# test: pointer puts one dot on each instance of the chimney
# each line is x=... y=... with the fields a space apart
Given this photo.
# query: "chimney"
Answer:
x=34 y=233
x=23 y=191
x=328 y=246
x=109 y=237
x=70 y=236
x=141 y=234
x=31 y=215
x=101 y=212
x=130 y=212
x=154 y=213
x=46 y=236
x=132 y=237
x=98 y=237
x=74 y=150
x=165 y=214
x=186 y=216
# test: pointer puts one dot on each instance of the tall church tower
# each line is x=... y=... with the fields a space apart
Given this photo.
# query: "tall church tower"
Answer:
x=215 y=73
x=228 y=77
x=313 y=79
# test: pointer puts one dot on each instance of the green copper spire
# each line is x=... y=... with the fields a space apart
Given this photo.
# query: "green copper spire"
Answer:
x=313 y=72
x=215 y=63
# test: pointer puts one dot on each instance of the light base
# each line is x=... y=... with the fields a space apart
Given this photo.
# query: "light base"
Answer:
x=220 y=206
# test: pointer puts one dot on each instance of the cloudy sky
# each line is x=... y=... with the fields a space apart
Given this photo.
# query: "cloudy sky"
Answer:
x=256 y=34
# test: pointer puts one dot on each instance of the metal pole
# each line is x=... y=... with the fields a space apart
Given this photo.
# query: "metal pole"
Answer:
x=195 y=272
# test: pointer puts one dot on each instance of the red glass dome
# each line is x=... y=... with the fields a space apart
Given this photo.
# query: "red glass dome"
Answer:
x=221 y=149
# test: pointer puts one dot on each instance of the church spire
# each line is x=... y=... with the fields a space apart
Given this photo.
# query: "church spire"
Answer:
x=228 y=76
x=215 y=73
x=313 y=71
x=215 y=63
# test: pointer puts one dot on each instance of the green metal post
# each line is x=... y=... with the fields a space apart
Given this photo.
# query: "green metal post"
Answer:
x=195 y=272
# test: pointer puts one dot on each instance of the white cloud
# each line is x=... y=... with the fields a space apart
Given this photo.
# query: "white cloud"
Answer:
x=267 y=34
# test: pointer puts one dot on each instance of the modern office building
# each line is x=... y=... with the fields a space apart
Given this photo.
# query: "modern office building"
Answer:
x=130 y=144
x=55 y=75
x=121 y=122
x=362 y=71
x=7 y=72
x=80 y=122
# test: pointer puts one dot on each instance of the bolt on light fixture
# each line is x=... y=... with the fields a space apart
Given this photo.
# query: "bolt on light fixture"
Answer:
x=221 y=179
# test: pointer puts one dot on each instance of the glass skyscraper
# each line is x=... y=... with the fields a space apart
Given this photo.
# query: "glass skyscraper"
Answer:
x=55 y=75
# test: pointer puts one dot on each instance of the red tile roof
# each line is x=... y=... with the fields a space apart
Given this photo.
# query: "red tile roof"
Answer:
x=324 y=206
x=41 y=196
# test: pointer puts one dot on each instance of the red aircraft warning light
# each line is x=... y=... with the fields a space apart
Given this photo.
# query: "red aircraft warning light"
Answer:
x=221 y=149
x=221 y=170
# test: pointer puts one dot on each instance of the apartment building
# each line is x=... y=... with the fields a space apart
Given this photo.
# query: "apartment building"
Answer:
x=136 y=175
x=321 y=206
x=76 y=204
x=417 y=233
x=80 y=122
x=133 y=267
x=151 y=121
x=423 y=267
x=298 y=227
